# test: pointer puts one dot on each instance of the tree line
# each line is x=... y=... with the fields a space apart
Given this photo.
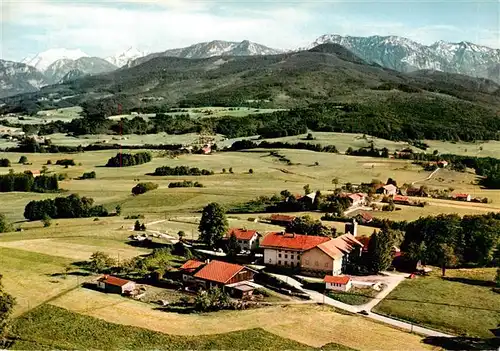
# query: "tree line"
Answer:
x=181 y=171
x=72 y=206
x=126 y=160
x=142 y=188
x=248 y=144
x=26 y=182
x=185 y=184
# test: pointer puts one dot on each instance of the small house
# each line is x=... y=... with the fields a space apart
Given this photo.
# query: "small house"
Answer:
x=338 y=282
x=401 y=200
x=462 y=197
x=363 y=218
x=442 y=164
x=188 y=269
x=36 y=173
x=115 y=285
x=207 y=149
x=241 y=290
x=388 y=190
x=219 y=273
x=282 y=220
x=247 y=239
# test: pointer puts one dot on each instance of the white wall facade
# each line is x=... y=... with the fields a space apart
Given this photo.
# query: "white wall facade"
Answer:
x=281 y=257
x=339 y=287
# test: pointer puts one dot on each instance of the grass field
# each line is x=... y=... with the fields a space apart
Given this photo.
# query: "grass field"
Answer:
x=50 y=327
x=355 y=296
x=464 y=303
x=308 y=324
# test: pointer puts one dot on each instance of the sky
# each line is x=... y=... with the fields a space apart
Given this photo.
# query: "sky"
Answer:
x=106 y=27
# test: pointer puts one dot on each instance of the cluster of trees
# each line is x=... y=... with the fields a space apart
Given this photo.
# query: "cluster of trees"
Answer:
x=4 y=162
x=448 y=240
x=72 y=206
x=26 y=182
x=213 y=299
x=126 y=160
x=185 y=184
x=248 y=144
x=88 y=175
x=66 y=162
x=7 y=303
x=308 y=226
x=138 y=227
x=181 y=171
x=370 y=151
x=4 y=224
x=141 y=188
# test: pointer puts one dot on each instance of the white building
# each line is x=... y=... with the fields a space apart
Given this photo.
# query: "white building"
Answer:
x=247 y=239
x=338 y=282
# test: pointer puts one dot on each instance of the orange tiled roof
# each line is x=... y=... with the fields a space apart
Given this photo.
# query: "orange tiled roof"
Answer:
x=108 y=279
x=191 y=265
x=218 y=271
x=292 y=241
x=337 y=279
x=241 y=234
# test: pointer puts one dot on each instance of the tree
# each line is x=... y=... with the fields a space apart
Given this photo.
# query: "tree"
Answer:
x=7 y=303
x=309 y=136
x=44 y=170
x=213 y=299
x=100 y=262
x=181 y=234
x=223 y=170
x=137 y=226
x=307 y=189
x=4 y=225
x=231 y=170
x=250 y=171
x=380 y=250
x=335 y=181
x=118 y=210
x=213 y=224
x=47 y=221
x=232 y=247
x=143 y=227
x=447 y=257
x=23 y=160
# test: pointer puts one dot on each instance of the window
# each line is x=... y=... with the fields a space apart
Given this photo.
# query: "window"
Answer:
x=291 y=264
x=286 y=256
x=286 y=263
x=279 y=255
x=279 y=262
x=298 y=257
x=292 y=257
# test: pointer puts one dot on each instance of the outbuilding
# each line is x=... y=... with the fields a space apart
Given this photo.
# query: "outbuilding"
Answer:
x=115 y=285
x=338 y=282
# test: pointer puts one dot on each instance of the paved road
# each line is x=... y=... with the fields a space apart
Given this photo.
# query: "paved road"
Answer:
x=428 y=177
x=320 y=298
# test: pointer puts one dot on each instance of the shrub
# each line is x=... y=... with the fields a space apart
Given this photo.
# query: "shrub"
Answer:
x=23 y=160
x=4 y=162
x=88 y=175
x=66 y=162
x=141 y=188
x=185 y=184
x=181 y=171
x=126 y=160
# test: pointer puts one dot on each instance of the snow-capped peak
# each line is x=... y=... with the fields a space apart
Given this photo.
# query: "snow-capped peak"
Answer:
x=44 y=59
x=123 y=58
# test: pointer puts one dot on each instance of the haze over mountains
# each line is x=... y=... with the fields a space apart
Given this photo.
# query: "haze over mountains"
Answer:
x=397 y=53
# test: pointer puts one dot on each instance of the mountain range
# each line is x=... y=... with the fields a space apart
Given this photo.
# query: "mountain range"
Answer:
x=392 y=52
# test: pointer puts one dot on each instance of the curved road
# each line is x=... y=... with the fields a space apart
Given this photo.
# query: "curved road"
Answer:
x=320 y=298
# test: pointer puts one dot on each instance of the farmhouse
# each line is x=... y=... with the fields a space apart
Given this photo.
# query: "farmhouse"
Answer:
x=462 y=197
x=247 y=239
x=363 y=218
x=338 y=283
x=282 y=220
x=36 y=173
x=215 y=273
x=357 y=199
x=312 y=254
x=115 y=285
x=308 y=199
x=388 y=190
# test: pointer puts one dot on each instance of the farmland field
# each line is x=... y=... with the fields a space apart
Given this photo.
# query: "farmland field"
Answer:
x=462 y=303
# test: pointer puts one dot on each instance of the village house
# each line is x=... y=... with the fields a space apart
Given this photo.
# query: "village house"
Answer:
x=338 y=283
x=36 y=173
x=416 y=192
x=462 y=197
x=388 y=190
x=247 y=239
x=215 y=273
x=363 y=217
x=401 y=200
x=356 y=199
x=282 y=220
x=308 y=199
x=442 y=164
x=312 y=254
x=115 y=285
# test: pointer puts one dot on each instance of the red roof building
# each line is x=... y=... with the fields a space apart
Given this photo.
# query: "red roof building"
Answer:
x=218 y=272
x=116 y=285
x=191 y=266
x=288 y=241
x=242 y=234
x=337 y=279
x=401 y=199
x=462 y=197
x=281 y=219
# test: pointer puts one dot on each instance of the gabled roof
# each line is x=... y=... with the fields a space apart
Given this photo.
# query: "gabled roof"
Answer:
x=366 y=216
x=461 y=195
x=191 y=265
x=337 y=279
x=336 y=248
x=218 y=271
x=400 y=198
x=115 y=281
x=390 y=187
x=241 y=234
x=292 y=241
